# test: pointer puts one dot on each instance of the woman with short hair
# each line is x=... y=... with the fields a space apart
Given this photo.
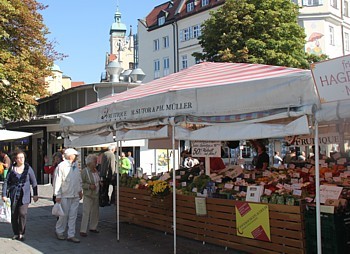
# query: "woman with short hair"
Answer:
x=17 y=187
x=91 y=185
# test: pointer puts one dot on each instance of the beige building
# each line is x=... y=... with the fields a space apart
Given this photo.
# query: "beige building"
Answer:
x=327 y=26
x=168 y=35
x=57 y=82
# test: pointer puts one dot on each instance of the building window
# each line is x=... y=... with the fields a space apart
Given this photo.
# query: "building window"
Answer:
x=331 y=35
x=346 y=41
x=346 y=8
x=334 y=3
x=196 y=31
x=185 y=34
x=166 y=64
x=156 y=69
x=156 y=45
x=190 y=6
x=295 y=1
x=166 y=41
x=161 y=20
x=205 y=2
x=184 y=63
x=312 y=2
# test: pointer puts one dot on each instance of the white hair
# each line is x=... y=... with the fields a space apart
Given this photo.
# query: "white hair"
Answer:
x=90 y=158
x=111 y=147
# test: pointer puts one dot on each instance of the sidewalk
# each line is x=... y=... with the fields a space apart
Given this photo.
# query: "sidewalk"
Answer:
x=40 y=235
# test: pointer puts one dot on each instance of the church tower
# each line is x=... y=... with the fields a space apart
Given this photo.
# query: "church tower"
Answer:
x=121 y=45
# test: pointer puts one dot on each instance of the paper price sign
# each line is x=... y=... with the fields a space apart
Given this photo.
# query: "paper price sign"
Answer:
x=206 y=149
x=329 y=192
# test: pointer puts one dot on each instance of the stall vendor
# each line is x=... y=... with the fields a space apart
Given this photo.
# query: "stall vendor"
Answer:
x=263 y=159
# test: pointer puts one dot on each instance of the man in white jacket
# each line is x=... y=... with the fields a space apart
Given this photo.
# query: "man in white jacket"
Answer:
x=68 y=191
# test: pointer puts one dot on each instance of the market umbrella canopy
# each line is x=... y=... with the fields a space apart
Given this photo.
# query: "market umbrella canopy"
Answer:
x=11 y=135
x=205 y=89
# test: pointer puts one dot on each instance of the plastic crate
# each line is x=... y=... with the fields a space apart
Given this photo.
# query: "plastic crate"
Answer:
x=335 y=232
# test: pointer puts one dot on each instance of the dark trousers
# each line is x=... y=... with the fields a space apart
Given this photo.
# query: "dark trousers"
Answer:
x=104 y=198
x=19 y=219
x=112 y=202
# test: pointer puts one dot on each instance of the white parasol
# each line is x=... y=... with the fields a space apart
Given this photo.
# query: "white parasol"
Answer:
x=12 y=135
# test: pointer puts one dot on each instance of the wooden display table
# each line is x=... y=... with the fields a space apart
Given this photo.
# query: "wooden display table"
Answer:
x=219 y=226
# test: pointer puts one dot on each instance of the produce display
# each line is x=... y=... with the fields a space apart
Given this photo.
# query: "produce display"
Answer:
x=288 y=186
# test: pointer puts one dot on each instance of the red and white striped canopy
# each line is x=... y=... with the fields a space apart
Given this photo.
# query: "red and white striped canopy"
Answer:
x=203 y=90
x=202 y=75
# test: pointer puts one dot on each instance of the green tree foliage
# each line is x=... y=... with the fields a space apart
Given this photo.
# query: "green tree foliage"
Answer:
x=25 y=58
x=255 y=31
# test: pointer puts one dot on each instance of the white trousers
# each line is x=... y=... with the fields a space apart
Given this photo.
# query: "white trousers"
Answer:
x=70 y=208
x=90 y=213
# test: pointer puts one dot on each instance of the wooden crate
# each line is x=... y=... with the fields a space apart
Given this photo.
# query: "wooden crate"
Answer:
x=219 y=225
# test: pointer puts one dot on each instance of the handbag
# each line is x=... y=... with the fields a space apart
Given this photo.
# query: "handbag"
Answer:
x=5 y=211
x=57 y=210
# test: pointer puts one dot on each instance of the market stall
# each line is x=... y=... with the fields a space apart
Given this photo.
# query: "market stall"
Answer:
x=218 y=97
x=331 y=81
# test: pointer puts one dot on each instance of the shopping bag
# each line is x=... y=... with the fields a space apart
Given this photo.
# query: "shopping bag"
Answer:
x=57 y=210
x=5 y=211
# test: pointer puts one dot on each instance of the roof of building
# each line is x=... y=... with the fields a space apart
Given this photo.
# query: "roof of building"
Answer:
x=177 y=9
x=77 y=83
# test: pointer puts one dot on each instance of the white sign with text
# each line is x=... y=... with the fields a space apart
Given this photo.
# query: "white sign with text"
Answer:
x=332 y=79
x=206 y=149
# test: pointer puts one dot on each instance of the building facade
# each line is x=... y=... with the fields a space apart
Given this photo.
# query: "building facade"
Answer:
x=168 y=36
x=327 y=26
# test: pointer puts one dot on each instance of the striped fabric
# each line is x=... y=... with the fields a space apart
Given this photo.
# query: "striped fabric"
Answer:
x=205 y=74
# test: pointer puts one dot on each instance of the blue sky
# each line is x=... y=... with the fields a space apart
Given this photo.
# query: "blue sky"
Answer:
x=81 y=30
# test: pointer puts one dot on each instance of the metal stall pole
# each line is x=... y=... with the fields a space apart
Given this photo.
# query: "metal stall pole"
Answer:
x=117 y=197
x=174 y=187
x=318 y=204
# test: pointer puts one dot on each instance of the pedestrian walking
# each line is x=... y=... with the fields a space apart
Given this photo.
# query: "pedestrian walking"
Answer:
x=57 y=158
x=68 y=192
x=124 y=164
x=108 y=165
x=132 y=163
x=5 y=164
x=277 y=160
x=91 y=185
x=17 y=188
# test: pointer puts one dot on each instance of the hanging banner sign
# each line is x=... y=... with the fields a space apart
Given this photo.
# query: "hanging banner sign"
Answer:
x=206 y=149
x=253 y=221
x=307 y=140
x=332 y=79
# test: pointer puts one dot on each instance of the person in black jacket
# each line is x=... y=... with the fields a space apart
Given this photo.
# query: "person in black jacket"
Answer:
x=17 y=187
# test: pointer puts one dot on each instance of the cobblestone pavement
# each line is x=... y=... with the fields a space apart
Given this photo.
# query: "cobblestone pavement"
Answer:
x=40 y=235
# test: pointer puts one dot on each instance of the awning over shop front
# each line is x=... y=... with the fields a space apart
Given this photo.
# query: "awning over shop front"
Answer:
x=229 y=131
x=13 y=135
x=334 y=111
